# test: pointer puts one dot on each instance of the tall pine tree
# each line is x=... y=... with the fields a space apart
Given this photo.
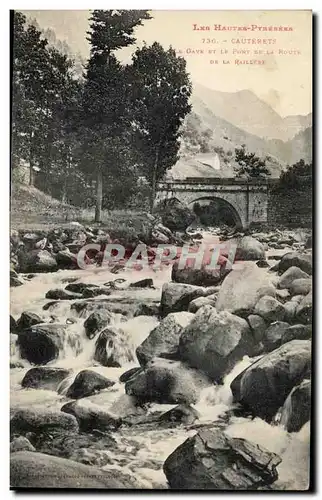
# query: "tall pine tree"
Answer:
x=105 y=98
x=161 y=92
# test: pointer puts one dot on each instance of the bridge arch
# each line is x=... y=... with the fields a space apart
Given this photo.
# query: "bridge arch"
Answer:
x=228 y=211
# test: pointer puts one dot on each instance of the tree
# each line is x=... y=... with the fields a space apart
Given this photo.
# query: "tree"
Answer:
x=296 y=177
x=161 y=91
x=249 y=164
x=105 y=106
x=30 y=78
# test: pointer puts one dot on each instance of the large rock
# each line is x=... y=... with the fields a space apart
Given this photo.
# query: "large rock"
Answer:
x=248 y=248
x=258 y=326
x=166 y=381
x=28 y=319
x=175 y=215
x=44 y=342
x=96 y=322
x=303 y=311
x=211 y=460
x=177 y=296
x=296 y=410
x=37 y=470
x=112 y=348
x=264 y=386
x=66 y=259
x=301 y=286
x=37 y=261
x=303 y=261
x=297 y=332
x=79 y=287
x=196 y=304
x=205 y=276
x=86 y=383
x=269 y=309
x=242 y=289
x=91 y=416
x=181 y=414
x=273 y=336
x=25 y=420
x=291 y=274
x=21 y=443
x=214 y=341
x=61 y=294
x=163 y=341
x=45 y=377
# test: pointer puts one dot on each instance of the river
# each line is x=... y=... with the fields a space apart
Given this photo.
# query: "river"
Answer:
x=142 y=451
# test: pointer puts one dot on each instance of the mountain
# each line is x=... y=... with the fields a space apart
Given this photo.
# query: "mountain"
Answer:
x=247 y=111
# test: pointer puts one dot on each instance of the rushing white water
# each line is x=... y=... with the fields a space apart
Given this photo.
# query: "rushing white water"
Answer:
x=142 y=452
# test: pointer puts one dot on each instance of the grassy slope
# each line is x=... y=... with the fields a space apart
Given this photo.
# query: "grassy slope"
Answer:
x=32 y=209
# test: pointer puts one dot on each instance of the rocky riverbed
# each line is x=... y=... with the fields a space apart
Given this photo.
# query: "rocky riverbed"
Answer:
x=150 y=379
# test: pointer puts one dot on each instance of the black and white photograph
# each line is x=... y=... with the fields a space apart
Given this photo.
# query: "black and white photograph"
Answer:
x=161 y=240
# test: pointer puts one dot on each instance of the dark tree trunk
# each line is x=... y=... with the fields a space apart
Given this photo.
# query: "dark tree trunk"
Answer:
x=154 y=179
x=99 y=196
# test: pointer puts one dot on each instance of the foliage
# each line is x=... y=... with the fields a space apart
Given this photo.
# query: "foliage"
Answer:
x=296 y=177
x=160 y=92
x=249 y=164
x=105 y=114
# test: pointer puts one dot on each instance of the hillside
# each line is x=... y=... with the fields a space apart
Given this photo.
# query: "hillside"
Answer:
x=246 y=111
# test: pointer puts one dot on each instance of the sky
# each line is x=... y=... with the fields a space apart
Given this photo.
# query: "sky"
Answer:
x=282 y=76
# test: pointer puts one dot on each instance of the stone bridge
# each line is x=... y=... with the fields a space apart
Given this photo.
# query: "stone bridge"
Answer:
x=247 y=200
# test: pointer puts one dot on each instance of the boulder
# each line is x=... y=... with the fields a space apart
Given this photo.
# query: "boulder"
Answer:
x=91 y=416
x=66 y=259
x=28 y=319
x=290 y=311
x=43 y=342
x=195 y=304
x=214 y=341
x=273 y=336
x=37 y=261
x=303 y=311
x=79 y=287
x=291 y=274
x=163 y=341
x=112 y=348
x=248 y=248
x=13 y=325
x=243 y=288
x=258 y=326
x=45 y=377
x=296 y=410
x=96 y=291
x=301 y=286
x=177 y=296
x=211 y=460
x=60 y=294
x=147 y=310
x=38 y=470
x=86 y=383
x=145 y=283
x=175 y=215
x=129 y=374
x=269 y=309
x=181 y=414
x=297 y=332
x=206 y=275
x=96 y=322
x=21 y=443
x=263 y=387
x=16 y=280
x=25 y=420
x=303 y=261
x=167 y=381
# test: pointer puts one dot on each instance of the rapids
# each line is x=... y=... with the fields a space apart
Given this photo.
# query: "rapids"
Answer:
x=140 y=451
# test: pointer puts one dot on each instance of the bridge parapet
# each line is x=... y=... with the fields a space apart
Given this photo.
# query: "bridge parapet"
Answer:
x=246 y=198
